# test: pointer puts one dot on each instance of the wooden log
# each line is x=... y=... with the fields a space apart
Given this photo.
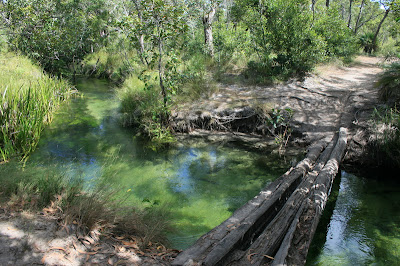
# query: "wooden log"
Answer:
x=266 y=245
x=247 y=222
x=297 y=241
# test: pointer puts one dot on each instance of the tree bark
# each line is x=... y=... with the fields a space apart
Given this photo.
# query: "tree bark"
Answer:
x=350 y=13
x=374 y=46
x=313 y=8
x=272 y=223
x=140 y=37
x=208 y=32
x=359 y=17
x=161 y=73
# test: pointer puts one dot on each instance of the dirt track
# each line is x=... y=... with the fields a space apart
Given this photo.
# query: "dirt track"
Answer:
x=335 y=96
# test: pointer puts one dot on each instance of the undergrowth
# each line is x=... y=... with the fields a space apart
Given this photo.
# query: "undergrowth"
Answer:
x=143 y=108
x=389 y=84
x=27 y=100
x=90 y=208
x=385 y=139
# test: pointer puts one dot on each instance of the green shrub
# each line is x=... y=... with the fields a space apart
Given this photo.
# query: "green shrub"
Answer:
x=340 y=40
x=366 y=42
x=142 y=106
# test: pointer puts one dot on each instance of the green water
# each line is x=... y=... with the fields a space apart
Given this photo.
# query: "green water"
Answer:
x=201 y=183
x=361 y=224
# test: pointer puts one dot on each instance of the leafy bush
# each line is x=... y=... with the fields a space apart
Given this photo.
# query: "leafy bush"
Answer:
x=283 y=39
x=142 y=106
x=366 y=42
x=340 y=40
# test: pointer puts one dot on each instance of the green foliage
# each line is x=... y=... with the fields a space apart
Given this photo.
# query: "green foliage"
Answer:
x=389 y=84
x=55 y=33
x=141 y=106
x=340 y=40
x=279 y=123
x=366 y=42
x=27 y=100
x=283 y=39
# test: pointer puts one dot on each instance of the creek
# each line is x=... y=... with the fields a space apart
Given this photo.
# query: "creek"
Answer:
x=202 y=183
x=199 y=184
x=360 y=224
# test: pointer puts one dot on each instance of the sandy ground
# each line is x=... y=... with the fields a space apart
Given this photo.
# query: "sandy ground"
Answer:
x=333 y=97
x=36 y=239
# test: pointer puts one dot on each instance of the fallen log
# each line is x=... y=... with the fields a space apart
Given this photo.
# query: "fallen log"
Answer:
x=247 y=222
x=267 y=244
x=295 y=246
x=272 y=228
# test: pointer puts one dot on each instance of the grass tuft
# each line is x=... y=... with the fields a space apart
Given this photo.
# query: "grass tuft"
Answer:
x=27 y=100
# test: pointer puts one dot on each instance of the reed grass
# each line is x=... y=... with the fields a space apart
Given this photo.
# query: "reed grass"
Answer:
x=28 y=98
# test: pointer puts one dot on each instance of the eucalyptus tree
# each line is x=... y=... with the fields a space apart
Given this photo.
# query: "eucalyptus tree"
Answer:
x=159 y=23
x=205 y=10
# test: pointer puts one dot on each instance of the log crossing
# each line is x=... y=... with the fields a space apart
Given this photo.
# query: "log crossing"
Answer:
x=275 y=227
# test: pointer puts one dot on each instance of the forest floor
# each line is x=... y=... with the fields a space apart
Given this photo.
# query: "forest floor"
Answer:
x=331 y=97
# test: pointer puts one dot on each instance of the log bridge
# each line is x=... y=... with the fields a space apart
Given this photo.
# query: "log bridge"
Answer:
x=275 y=227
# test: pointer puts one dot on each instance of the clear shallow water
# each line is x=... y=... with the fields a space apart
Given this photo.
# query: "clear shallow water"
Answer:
x=201 y=183
x=361 y=224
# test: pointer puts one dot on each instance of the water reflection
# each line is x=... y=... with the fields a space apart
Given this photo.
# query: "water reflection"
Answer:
x=364 y=227
x=201 y=182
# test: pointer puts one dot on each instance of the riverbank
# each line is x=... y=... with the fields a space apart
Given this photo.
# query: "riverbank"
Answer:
x=28 y=238
x=333 y=96
x=310 y=121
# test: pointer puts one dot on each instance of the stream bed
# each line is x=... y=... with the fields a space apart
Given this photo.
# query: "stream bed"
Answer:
x=198 y=183
x=202 y=183
x=360 y=224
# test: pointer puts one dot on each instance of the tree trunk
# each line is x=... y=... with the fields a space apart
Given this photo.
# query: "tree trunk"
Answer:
x=350 y=13
x=208 y=33
x=161 y=73
x=141 y=36
x=313 y=8
x=143 y=58
x=374 y=46
x=247 y=222
x=327 y=3
x=359 y=17
x=272 y=223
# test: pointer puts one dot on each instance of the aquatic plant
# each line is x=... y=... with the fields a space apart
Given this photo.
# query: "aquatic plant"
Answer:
x=27 y=100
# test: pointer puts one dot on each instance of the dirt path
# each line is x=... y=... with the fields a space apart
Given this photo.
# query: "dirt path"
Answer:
x=335 y=96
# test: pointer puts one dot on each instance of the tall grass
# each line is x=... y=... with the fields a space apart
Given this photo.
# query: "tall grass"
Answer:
x=389 y=84
x=386 y=137
x=27 y=100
